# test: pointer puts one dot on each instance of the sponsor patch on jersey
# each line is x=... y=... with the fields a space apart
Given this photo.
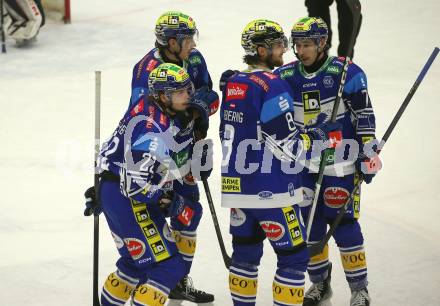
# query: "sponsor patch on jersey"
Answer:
x=312 y=106
x=287 y=73
x=236 y=91
x=151 y=65
x=138 y=108
x=231 y=184
x=265 y=195
x=311 y=101
x=335 y=197
x=135 y=247
x=274 y=230
x=118 y=241
x=259 y=81
x=186 y=216
x=276 y=106
x=237 y=217
x=181 y=158
x=195 y=60
x=333 y=69
x=328 y=81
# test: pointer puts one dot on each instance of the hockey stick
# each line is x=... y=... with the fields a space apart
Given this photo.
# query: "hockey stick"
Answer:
x=317 y=248
x=355 y=8
x=96 y=183
x=2 y=29
x=226 y=258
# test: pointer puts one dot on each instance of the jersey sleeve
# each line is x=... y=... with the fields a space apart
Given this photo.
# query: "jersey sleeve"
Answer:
x=139 y=81
x=356 y=92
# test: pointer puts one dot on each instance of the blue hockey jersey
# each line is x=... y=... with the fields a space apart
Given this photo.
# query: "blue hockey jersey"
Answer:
x=148 y=150
x=315 y=93
x=195 y=66
x=256 y=111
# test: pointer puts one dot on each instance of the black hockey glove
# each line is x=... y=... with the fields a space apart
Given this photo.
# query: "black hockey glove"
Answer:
x=225 y=76
x=92 y=205
x=205 y=102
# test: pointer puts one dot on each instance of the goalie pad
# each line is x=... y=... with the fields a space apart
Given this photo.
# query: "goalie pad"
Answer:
x=22 y=20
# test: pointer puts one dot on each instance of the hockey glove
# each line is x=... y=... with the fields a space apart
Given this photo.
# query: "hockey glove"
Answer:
x=325 y=131
x=92 y=205
x=368 y=162
x=174 y=205
x=225 y=76
x=205 y=102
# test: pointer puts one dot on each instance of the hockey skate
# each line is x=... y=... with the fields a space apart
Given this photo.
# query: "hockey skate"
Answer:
x=185 y=290
x=360 y=298
x=319 y=294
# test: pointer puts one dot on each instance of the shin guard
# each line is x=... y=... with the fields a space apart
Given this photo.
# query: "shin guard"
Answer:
x=117 y=289
x=243 y=283
x=151 y=294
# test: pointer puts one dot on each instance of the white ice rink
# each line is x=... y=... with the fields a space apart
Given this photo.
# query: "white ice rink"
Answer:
x=46 y=156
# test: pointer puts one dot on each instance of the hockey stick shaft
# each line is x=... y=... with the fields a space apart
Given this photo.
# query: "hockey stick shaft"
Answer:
x=226 y=257
x=2 y=28
x=317 y=248
x=96 y=183
x=355 y=8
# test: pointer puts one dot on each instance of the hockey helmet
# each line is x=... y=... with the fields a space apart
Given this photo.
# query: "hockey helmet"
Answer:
x=176 y=25
x=309 y=28
x=262 y=32
x=167 y=78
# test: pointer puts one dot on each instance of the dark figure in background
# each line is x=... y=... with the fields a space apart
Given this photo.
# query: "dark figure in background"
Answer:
x=321 y=8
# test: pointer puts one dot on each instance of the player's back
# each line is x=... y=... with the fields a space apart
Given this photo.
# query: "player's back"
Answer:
x=250 y=174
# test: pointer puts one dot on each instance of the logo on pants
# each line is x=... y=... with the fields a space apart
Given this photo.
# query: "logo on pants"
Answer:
x=135 y=247
x=335 y=197
x=274 y=230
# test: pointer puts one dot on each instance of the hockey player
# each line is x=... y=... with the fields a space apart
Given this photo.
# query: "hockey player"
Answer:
x=315 y=80
x=23 y=20
x=176 y=35
x=141 y=168
x=257 y=112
